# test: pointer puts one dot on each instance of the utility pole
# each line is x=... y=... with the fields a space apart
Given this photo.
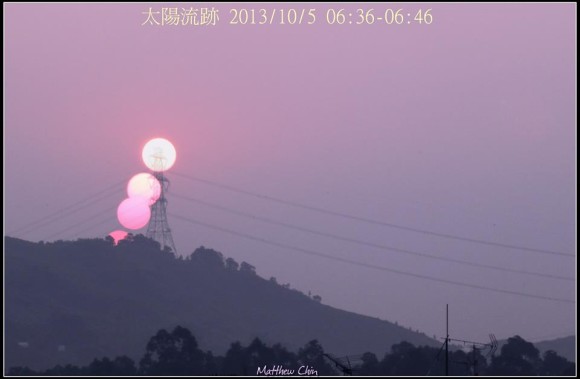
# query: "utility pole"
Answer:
x=447 y=341
x=474 y=361
x=477 y=346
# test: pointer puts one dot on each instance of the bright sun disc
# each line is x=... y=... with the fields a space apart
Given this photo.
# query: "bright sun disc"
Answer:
x=159 y=154
x=144 y=185
x=134 y=213
x=118 y=235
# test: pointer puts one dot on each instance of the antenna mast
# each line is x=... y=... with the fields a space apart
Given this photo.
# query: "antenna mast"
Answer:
x=447 y=340
x=492 y=346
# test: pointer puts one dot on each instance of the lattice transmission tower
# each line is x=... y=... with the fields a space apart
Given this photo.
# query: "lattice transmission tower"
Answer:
x=158 y=228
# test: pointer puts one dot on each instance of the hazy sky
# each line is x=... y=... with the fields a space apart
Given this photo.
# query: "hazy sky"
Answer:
x=466 y=127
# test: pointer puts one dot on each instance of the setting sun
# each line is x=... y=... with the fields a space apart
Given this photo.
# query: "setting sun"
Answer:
x=159 y=154
x=134 y=213
x=144 y=185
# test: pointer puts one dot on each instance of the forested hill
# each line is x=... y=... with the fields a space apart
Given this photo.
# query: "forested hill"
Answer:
x=565 y=347
x=73 y=301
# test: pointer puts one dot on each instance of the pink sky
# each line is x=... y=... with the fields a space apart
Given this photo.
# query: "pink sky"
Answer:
x=466 y=126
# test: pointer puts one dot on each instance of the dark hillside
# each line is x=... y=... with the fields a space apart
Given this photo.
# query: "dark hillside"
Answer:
x=69 y=302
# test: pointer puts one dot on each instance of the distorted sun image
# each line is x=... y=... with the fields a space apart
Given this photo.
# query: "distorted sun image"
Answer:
x=290 y=189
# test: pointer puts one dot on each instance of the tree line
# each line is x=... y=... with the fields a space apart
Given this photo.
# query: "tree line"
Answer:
x=177 y=353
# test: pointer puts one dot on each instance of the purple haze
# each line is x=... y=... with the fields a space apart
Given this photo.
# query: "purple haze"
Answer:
x=466 y=126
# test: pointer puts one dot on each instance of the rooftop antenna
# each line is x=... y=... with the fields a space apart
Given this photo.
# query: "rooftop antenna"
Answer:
x=492 y=346
x=447 y=340
x=343 y=364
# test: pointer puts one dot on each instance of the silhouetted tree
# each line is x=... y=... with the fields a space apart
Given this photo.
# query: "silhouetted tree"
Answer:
x=555 y=365
x=481 y=360
x=312 y=355
x=461 y=362
x=110 y=240
x=140 y=241
x=285 y=357
x=208 y=258
x=518 y=357
x=400 y=361
x=67 y=370
x=21 y=371
x=370 y=365
x=174 y=353
x=232 y=265
x=235 y=361
x=259 y=354
x=120 y=366
x=124 y=366
x=247 y=268
x=211 y=364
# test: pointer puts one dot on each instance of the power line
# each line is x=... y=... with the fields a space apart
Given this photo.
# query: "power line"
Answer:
x=84 y=221
x=368 y=220
x=365 y=243
x=91 y=226
x=69 y=210
x=366 y=265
